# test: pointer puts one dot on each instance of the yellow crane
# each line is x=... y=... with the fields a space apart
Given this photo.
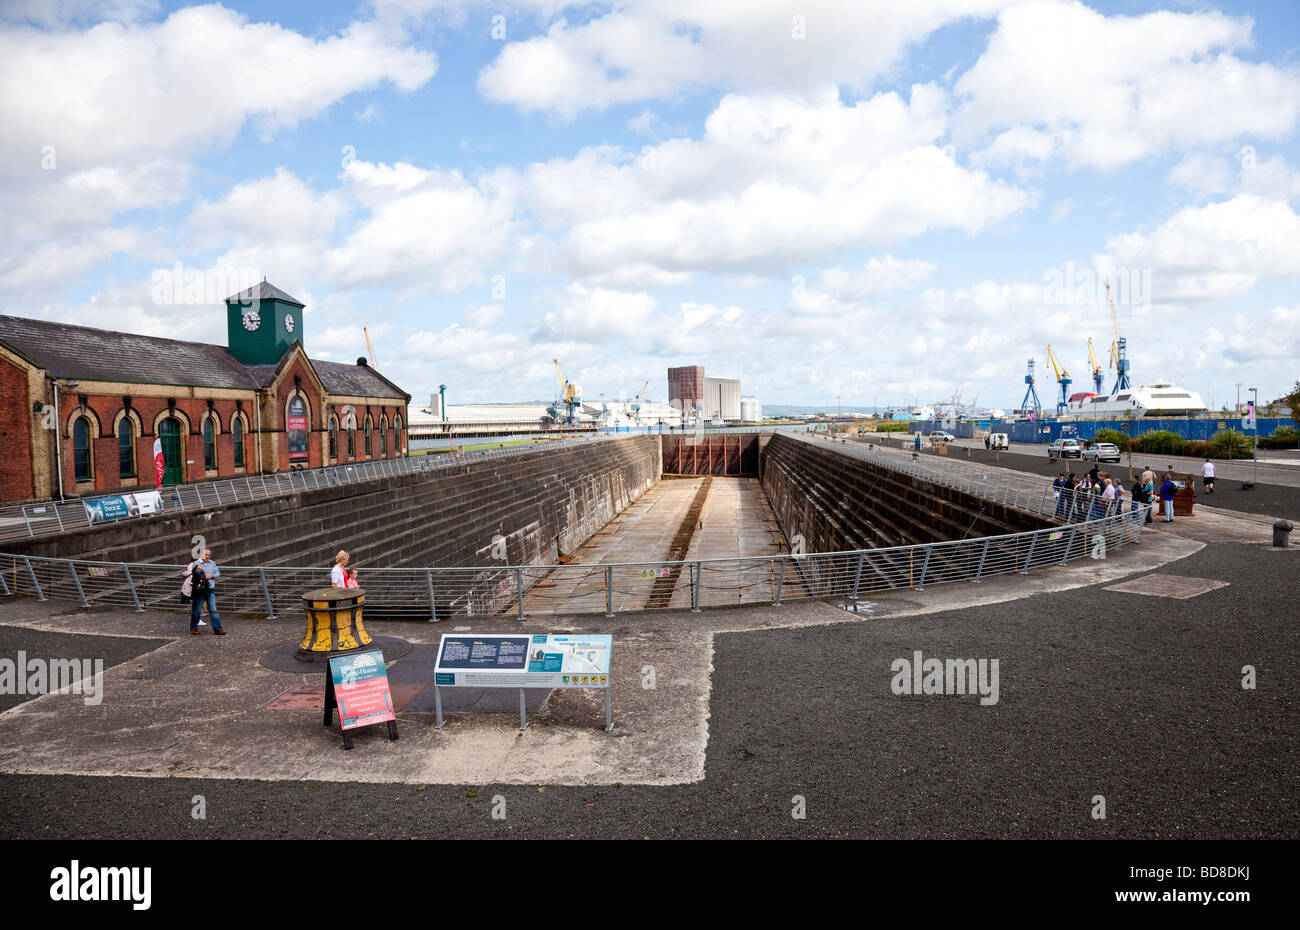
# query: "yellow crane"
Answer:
x=1097 y=371
x=571 y=396
x=370 y=348
x=1062 y=378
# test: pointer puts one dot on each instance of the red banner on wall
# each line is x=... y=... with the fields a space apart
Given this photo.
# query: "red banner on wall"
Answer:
x=158 y=465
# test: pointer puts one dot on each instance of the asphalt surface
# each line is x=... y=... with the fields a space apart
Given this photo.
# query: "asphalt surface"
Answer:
x=1134 y=698
x=36 y=644
x=1274 y=500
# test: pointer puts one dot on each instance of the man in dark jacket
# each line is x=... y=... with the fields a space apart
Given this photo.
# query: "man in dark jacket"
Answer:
x=204 y=591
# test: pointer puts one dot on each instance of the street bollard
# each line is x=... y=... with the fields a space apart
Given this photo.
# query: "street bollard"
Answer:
x=1281 y=532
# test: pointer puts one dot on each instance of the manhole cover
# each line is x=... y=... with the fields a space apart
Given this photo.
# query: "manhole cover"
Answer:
x=1168 y=586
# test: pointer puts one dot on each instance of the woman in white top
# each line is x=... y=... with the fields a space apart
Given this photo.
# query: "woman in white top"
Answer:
x=338 y=577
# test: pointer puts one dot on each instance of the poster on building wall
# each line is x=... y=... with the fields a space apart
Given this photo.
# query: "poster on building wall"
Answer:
x=297 y=429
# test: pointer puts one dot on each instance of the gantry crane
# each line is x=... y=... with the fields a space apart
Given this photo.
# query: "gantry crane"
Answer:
x=570 y=397
x=1062 y=378
x=1098 y=375
x=1032 y=392
x=1118 y=348
x=636 y=408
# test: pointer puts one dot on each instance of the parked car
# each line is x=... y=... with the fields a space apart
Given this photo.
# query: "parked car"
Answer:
x=999 y=441
x=1065 y=449
x=1102 y=452
x=939 y=436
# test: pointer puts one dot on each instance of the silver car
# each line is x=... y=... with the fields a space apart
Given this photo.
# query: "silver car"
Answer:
x=1102 y=452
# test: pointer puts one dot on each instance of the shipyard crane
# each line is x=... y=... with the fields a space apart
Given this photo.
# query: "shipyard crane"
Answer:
x=636 y=408
x=570 y=397
x=1037 y=409
x=1098 y=375
x=370 y=348
x=1062 y=378
x=1118 y=348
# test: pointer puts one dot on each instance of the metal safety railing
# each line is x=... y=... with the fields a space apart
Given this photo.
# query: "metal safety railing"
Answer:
x=442 y=593
x=48 y=518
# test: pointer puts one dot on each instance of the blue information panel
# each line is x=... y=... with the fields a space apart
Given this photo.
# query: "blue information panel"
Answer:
x=537 y=661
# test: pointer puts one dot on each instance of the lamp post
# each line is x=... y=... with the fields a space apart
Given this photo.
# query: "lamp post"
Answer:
x=58 y=430
x=1254 y=428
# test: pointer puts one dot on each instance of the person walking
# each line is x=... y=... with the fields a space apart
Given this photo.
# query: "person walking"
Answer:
x=1207 y=475
x=204 y=591
x=1167 y=492
x=1059 y=486
x=1108 y=498
x=338 y=574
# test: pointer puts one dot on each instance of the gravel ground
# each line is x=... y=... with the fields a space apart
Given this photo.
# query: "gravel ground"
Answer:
x=114 y=650
x=1134 y=698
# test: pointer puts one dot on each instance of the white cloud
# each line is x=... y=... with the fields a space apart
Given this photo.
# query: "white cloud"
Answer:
x=1246 y=237
x=877 y=276
x=113 y=92
x=773 y=179
x=1107 y=91
x=656 y=49
x=596 y=314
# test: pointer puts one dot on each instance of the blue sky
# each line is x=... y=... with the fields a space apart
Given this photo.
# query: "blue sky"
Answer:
x=823 y=199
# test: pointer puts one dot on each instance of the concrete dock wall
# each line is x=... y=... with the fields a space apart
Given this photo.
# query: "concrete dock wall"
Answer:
x=837 y=502
x=525 y=509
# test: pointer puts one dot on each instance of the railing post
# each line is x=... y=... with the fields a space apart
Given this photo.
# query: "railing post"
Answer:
x=1069 y=543
x=925 y=566
x=1033 y=541
x=609 y=590
x=780 y=582
x=216 y=489
x=519 y=590
x=695 y=590
x=29 y=522
x=58 y=516
x=984 y=554
x=126 y=570
x=76 y=579
x=433 y=606
x=198 y=489
x=32 y=575
x=4 y=585
x=248 y=485
x=857 y=578
x=266 y=592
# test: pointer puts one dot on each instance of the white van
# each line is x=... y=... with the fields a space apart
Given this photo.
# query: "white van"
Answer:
x=999 y=441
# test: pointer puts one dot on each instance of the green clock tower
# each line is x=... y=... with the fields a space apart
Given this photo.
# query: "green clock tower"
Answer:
x=261 y=323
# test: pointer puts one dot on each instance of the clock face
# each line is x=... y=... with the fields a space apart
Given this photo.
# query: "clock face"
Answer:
x=251 y=320
x=288 y=322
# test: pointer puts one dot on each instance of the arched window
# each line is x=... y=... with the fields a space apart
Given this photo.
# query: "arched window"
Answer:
x=237 y=433
x=397 y=434
x=126 y=448
x=370 y=428
x=352 y=443
x=334 y=438
x=383 y=435
x=82 y=457
x=209 y=443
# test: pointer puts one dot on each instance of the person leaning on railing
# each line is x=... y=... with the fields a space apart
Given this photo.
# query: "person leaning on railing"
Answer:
x=338 y=574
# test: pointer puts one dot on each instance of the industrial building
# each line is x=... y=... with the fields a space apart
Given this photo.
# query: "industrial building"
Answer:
x=689 y=389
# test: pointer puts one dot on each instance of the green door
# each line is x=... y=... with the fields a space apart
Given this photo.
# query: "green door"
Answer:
x=169 y=431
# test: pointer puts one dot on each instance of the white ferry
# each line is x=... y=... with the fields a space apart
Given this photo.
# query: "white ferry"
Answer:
x=1161 y=399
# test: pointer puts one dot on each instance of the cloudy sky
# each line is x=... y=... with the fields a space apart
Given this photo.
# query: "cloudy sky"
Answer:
x=871 y=201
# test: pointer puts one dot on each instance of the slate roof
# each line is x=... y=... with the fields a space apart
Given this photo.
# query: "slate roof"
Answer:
x=343 y=379
x=263 y=291
x=68 y=351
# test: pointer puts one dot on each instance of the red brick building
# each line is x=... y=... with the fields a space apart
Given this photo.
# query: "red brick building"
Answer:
x=90 y=403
